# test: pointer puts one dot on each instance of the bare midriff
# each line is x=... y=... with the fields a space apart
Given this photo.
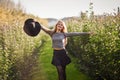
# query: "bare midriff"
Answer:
x=58 y=48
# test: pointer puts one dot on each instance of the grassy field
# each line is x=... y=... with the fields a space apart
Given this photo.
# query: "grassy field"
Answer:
x=49 y=71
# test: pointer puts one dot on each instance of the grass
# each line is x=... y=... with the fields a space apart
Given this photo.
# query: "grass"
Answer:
x=49 y=71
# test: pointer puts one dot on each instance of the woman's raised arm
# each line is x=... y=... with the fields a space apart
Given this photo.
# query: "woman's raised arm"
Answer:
x=47 y=30
x=76 y=34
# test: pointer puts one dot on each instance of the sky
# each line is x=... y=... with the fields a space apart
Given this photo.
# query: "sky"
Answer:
x=66 y=8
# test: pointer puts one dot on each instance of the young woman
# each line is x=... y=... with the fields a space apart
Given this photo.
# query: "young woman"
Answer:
x=59 y=40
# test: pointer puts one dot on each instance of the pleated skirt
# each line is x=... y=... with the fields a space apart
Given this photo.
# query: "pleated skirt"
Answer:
x=60 y=58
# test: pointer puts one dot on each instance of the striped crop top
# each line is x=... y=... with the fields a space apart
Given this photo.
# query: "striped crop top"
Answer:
x=58 y=39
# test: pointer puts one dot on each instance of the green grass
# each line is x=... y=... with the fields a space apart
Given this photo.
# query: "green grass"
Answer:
x=49 y=71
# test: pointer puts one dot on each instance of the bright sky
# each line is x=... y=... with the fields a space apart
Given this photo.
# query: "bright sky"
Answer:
x=66 y=8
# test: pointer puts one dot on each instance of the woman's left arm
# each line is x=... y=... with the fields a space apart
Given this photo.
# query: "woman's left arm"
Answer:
x=77 y=34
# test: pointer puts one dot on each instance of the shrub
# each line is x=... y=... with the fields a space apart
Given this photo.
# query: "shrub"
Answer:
x=98 y=54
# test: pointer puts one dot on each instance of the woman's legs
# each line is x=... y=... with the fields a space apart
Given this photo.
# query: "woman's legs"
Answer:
x=64 y=73
x=61 y=72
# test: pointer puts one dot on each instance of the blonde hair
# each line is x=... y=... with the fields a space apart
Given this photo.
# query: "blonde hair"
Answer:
x=64 y=26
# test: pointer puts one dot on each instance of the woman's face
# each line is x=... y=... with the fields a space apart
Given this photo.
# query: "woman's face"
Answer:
x=59 y=26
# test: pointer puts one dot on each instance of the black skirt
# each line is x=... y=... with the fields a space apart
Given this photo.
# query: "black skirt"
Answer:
x=60 y=58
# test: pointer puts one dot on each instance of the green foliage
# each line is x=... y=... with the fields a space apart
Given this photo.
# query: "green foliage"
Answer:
x=97 y=54
x=18 y=51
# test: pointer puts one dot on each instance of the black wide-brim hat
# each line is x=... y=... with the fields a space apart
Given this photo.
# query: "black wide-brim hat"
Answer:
x=31 y=27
